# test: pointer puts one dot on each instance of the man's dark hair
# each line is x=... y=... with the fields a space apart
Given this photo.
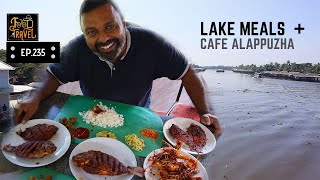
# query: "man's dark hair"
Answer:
x=88 y=5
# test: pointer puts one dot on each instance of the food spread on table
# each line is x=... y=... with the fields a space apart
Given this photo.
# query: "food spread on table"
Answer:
x=80 y=132
x=180 y=135
x=69 y=123
x=135 y=142
x=37 y=144
x=106 y=134
x=149 y=133
x=106 y=121
x=41 y=177
x=197 y=139
x=195 y=136
x=170 y=163
x=198 y=135
x=32 y=149
x=103 y=116
x=96 y=162
x=39 y=132
x=43 y=173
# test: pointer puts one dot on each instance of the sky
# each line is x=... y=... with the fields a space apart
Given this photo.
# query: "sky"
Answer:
x=179 y=21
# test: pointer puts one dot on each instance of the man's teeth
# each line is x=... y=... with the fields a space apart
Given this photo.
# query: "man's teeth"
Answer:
x=107 y=47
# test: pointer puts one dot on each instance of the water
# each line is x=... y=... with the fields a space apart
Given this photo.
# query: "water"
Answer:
x=271 y=127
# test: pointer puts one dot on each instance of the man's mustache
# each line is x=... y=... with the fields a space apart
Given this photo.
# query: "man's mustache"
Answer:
x=99 y=44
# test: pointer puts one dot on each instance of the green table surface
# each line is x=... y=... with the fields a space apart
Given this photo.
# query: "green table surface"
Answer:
x=135 y=119
x=38 y=172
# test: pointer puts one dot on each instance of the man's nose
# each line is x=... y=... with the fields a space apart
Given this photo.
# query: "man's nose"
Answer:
x=103 y=37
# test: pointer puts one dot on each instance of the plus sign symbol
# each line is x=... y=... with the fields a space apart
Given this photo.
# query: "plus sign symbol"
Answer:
x=299 y=28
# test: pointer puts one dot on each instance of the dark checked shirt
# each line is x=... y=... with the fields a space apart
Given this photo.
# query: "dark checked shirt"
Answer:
x=129 y=80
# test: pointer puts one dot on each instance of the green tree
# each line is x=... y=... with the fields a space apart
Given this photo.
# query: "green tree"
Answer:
x=25 y=72
x=288 y=66
x=2 y=55
x=277 y=66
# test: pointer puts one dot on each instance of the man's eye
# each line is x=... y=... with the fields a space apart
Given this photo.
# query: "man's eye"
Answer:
x=110 y=27
x=91 y=33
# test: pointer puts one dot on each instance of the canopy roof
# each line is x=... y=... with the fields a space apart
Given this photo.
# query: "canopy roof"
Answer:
x=4 y=66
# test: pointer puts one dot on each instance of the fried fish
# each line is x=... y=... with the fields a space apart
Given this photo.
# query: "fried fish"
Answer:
x=195 y=136
x=96 y=162
x=180 y=135
x=32 y=149
x=198 y=135
x=39 y=132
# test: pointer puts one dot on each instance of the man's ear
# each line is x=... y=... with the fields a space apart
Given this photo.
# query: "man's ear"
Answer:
x=124 y=23
x=81 y=24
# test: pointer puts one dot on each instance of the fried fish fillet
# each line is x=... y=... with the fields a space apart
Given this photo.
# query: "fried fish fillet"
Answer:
x=198 y=135
x=180 y=135
x=195 y=136
x=39 y=132
x=96 y=162
x=32 y=149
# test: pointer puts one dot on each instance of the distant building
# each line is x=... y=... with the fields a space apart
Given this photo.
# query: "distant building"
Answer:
x=6 y=89
x=4 y=75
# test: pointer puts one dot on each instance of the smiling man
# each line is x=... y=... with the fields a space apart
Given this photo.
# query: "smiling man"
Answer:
x=104 y=31
x=117 y=62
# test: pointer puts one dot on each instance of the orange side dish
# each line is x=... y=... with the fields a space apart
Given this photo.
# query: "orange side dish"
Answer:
x=149 y=133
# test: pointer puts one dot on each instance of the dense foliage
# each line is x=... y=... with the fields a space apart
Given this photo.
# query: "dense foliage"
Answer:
x=291 y=67
x=213 y=67
x=25 y=72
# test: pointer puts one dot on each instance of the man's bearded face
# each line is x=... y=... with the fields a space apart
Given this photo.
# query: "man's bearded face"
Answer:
x=105 y=32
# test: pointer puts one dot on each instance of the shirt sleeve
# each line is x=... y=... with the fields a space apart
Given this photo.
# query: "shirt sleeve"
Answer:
x=67 y=70
x=171 y=63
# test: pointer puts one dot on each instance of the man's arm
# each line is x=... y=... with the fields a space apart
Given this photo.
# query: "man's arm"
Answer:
x=25 y=110
x=198 y=95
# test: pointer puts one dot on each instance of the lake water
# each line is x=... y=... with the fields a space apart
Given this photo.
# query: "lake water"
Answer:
x=271 y=127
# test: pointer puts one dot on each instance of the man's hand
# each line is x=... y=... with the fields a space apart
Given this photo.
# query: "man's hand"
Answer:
x=25 y=110
x=212 y=122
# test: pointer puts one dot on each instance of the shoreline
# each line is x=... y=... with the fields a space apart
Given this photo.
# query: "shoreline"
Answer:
x=295 y=76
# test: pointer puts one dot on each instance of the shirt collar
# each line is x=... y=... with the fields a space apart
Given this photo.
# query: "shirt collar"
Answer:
x=128 y=44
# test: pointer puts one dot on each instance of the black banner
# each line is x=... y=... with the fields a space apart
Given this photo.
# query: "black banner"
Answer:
x=22 y=27
x=33 y=52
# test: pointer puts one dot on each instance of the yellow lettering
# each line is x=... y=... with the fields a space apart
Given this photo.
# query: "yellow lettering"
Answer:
x=14 y=22
x=26 y=24
x=21 y=34
x=34 y=35
x=25 y=34
x=17 y=34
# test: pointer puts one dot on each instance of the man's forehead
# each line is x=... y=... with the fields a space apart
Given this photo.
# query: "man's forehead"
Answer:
x=105 y=12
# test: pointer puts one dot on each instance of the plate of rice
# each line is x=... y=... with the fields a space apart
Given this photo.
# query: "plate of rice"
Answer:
x=102 y=116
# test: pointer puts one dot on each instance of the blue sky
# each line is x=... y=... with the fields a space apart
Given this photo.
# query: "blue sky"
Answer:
x=179 y=21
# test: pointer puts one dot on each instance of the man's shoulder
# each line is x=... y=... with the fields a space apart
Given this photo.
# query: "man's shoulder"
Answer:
x=78 y=40
x=77 y=44
x=137 y=31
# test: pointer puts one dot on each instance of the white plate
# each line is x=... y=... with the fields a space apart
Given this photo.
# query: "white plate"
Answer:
x=109 y=146
x=61 y=140
x=149 y=176
x=184 y=123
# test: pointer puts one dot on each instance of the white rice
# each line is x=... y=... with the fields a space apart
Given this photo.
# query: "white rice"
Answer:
x=109 y=118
